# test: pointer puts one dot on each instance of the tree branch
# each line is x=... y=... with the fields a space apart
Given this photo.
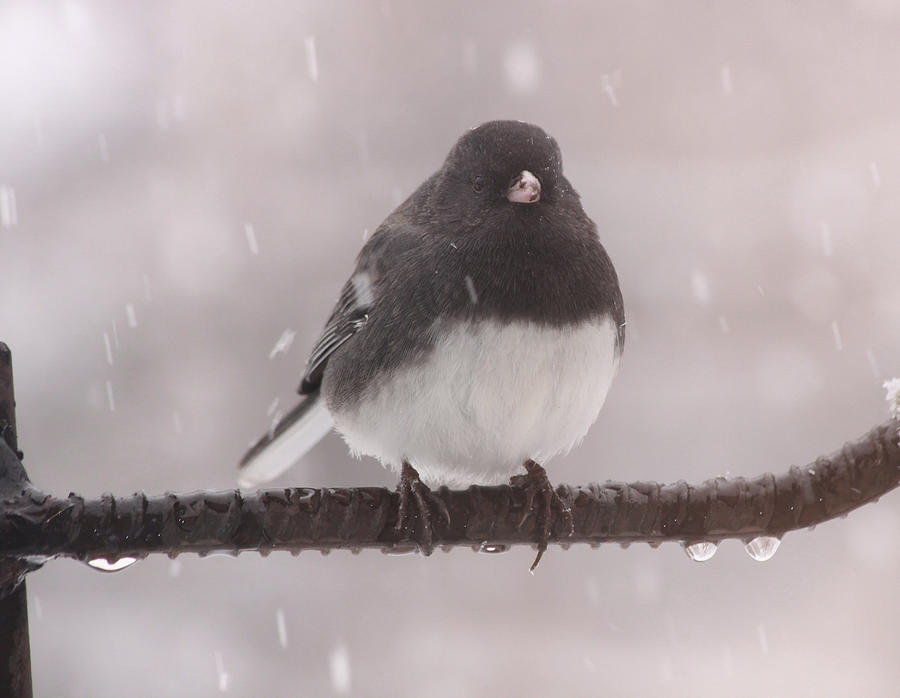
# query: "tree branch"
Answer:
x=38 y=526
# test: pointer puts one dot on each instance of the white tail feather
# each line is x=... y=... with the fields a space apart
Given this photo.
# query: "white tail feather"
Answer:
x=288 y=447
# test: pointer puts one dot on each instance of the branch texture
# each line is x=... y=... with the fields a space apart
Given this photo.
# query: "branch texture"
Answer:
x=39 y=526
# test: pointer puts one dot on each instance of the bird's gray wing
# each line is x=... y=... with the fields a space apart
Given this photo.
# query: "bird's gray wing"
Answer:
x=350 y=314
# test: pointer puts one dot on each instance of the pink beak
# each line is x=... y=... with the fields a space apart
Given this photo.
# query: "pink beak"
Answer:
x=524 y=189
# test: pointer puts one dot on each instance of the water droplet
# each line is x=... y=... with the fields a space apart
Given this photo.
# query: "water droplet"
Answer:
x=700 y=551
x=654 y=543
x=486 y=547
x=762 y=548
x=104 y=565
x=401 y=549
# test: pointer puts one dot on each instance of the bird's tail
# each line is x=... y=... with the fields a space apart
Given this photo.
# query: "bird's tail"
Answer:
x=276 y=451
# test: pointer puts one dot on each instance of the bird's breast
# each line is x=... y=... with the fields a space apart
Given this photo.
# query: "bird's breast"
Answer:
x=489 y=395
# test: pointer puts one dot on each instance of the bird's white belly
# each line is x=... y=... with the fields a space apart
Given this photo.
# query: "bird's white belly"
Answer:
x=487 y=398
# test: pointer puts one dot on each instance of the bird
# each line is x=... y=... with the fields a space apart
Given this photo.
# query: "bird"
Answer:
x=477 y=336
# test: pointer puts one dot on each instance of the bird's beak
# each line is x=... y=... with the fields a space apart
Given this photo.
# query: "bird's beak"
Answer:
x=524 y=189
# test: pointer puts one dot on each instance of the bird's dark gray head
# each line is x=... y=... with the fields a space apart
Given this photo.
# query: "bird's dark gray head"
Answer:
x=502 y=165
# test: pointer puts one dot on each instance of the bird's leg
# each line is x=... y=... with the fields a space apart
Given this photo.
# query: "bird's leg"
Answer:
x=536 y=484
x=412 y=488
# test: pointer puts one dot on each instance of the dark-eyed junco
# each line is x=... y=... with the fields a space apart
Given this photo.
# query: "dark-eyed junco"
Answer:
x=478 y=334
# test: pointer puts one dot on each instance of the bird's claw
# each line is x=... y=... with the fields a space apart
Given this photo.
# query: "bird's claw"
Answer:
x=536 y=484
x=412 y=488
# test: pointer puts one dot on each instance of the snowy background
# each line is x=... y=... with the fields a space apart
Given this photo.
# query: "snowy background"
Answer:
x=181 y=183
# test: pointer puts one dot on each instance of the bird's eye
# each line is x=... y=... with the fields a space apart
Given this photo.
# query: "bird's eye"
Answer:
x=478 y=184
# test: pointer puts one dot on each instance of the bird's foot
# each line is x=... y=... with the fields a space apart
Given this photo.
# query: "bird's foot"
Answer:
x=413 y=492
x=537 y=486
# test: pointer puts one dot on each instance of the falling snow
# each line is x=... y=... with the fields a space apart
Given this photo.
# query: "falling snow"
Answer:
x=763 y=640
x=723 y=324
x=700 y=286
x=470 y=288
x=873 y=363
x=362 y=289
x=251 y=238
x=522 y=68
x=110 y=400
x=609 y=83
x=893 y=396
x=470 y=57
x=9 y=216
x=312 y=59
x=281 y=626
x=836 y=334
x=826 y=239
x=221 y=674
x=103 y=147
x=339 y=665
x=876 y=175
x=283 y=344
x=38 y=607
x=727 y=87
x=131 y=315
x=108 y=347
x=38 y=131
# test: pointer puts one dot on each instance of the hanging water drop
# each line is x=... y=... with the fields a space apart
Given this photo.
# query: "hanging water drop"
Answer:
x=493 y=548
x=762 y=548
x=700 y=551
x=104 y=565
x=401 y=549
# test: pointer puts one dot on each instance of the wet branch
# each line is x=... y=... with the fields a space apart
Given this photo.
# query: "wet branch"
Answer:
x=38 y=526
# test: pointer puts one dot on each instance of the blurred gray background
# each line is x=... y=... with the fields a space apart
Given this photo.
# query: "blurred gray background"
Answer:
x=185 y=182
